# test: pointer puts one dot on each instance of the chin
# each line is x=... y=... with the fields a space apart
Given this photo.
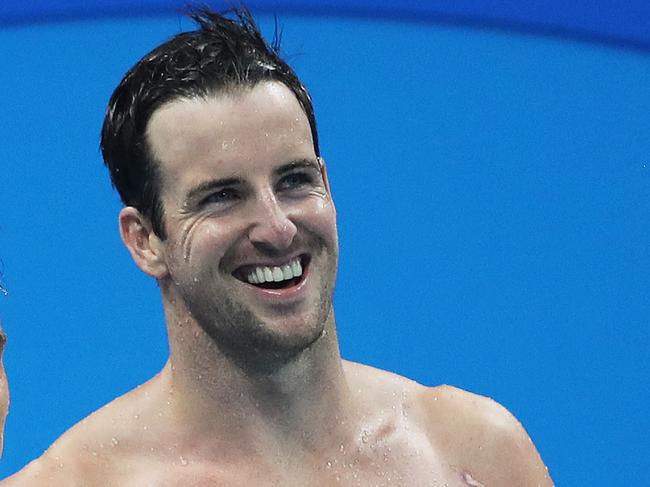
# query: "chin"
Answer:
x=287 y=337
x=267 y=344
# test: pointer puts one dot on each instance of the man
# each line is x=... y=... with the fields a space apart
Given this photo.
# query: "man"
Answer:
x=211 y=142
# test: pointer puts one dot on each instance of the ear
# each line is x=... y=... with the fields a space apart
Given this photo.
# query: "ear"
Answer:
x=145 y=246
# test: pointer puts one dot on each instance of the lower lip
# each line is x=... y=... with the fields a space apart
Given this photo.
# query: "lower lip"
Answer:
x=285 y=294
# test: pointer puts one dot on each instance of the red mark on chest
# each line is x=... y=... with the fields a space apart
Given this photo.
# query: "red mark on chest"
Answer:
x=469 y=480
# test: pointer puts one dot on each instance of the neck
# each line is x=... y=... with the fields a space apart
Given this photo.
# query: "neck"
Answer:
x=299 y=401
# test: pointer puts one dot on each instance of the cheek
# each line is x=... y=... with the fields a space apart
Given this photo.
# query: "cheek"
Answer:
x=208 y=240
x=320 y=217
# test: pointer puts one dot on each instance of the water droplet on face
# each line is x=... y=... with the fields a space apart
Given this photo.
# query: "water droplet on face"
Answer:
x=183 y=460
x=329 y=464
x=114 y=441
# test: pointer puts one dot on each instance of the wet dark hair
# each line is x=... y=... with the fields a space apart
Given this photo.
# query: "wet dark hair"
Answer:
x=223 y=54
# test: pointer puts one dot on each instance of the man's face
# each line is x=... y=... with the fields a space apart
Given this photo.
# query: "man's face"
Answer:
x=246 y=201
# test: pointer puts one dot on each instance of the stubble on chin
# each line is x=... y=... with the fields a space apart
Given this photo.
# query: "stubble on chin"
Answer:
x=239 y=332
x=248 y=339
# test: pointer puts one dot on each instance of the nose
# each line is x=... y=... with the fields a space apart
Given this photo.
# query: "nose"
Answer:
x=272 y=230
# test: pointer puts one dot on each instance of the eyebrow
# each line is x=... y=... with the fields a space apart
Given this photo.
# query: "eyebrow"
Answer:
x=297 y=164
x=210 y=185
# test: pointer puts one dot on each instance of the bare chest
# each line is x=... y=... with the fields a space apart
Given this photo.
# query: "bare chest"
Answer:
x=385 y=467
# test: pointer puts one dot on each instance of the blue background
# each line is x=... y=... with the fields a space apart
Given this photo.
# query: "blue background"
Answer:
x=493 y=189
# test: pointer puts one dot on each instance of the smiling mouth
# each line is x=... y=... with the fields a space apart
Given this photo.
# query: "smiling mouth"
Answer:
x=283 y=276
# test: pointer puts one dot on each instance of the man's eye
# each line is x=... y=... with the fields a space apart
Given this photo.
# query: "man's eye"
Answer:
x=296 y=180
x=225 y=195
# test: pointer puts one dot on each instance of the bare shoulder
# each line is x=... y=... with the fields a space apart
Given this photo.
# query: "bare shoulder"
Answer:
x=39 y=472
x=378 y=382
x=61 y=465
x=481 y=438
x=73 y=460
x=100 y=450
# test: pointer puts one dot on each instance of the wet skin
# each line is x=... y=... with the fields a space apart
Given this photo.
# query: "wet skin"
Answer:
x=255 y=391
x=255 y=195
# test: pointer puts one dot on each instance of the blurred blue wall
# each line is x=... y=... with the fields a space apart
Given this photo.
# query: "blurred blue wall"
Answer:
x=493 y=191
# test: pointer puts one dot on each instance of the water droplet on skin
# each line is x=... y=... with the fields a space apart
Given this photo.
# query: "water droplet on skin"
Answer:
x=364 y=436
x=329 y=464
x=114 y=441
x=183 y=460
x=145 y=427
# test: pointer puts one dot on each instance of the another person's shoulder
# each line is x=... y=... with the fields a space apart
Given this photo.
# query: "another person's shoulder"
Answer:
x=482 y=437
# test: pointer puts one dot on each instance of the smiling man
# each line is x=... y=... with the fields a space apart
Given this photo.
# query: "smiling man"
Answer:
x=211 y=141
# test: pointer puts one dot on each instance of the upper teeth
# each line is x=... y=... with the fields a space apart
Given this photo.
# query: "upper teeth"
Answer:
x=284 y=272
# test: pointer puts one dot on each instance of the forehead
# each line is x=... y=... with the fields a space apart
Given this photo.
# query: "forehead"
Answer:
x=243 y=129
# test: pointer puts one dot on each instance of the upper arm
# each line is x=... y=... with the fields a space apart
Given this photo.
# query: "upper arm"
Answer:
x=483 y=439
